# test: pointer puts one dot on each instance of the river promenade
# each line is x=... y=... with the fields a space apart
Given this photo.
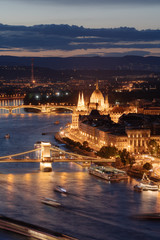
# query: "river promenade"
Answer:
x=59 y=138
x=135 y=171
x=76 y=136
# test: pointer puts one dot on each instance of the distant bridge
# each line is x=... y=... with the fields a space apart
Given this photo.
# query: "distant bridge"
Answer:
x=44 y=108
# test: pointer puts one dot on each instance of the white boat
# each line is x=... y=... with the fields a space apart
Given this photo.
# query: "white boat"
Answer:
x=50 y=201
x=60 y=189
x=37 y=145
x=109 y=174
x=146 y=185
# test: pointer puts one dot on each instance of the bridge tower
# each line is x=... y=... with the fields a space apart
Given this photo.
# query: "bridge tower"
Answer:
x=44 y=109
x=45 y=164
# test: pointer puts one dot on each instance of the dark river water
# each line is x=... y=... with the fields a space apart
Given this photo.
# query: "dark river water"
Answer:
x=94 y=209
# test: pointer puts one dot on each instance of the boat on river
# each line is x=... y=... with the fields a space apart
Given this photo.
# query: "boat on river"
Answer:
x=60 y=189
x=148 y=216
x=146 y=185
x=56 y=122
x=7 y=136
x=51 y=202
x=30 y=230
x=108 y=173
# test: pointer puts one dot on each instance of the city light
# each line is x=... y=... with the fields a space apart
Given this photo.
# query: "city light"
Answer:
x=58 y=94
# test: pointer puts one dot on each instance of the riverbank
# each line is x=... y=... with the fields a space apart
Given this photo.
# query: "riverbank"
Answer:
x=74 y=149
x=131 y=171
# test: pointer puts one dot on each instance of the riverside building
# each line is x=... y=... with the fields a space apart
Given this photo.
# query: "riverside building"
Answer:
x=101 y=125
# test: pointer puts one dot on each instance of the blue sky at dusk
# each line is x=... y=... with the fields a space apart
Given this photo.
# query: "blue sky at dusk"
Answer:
x=141 y=14
x=91 y=14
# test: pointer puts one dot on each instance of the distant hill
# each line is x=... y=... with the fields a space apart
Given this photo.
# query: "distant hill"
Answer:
x=107 y=63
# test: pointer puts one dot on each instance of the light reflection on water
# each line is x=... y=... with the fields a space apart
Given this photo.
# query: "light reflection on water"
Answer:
x=94 y=209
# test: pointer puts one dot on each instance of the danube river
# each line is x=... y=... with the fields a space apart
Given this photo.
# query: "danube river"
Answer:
x=94 y=209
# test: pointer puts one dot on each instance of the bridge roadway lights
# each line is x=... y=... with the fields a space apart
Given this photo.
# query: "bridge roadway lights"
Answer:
x=45 y=165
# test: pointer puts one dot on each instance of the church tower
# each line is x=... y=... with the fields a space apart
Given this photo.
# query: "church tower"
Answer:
x=81 y=103
x=97 y=85
x=106 y=104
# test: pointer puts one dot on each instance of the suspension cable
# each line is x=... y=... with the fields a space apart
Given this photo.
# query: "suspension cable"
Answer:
x=18 y=154
x=72 y=154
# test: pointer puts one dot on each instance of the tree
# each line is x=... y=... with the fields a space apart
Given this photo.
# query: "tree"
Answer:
x=106 y=152
x=78 y=144
x=126 y=158
x=147 y=166
x=153 y=147
x=85 y=144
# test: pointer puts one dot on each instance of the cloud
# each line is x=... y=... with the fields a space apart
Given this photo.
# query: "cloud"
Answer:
x=122 y=54
x=53 y=37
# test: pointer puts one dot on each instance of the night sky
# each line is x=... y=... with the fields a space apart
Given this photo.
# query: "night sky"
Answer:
x=124 y=16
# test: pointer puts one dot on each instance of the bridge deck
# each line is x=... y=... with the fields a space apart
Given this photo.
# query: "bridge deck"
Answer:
x=58 y=160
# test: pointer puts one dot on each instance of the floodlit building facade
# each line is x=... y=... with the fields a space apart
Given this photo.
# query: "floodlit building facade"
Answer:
x=122 y=127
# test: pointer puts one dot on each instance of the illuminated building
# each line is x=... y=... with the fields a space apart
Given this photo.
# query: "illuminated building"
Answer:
x=97 y=101
x=123 y=127
x=101 y=131
x=133 y=131
x=81 y=104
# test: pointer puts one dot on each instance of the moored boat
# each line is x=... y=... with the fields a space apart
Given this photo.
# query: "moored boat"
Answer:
x=109 y=174
x=146 y=185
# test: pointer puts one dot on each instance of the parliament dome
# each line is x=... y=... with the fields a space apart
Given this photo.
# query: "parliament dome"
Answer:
x=97 y=96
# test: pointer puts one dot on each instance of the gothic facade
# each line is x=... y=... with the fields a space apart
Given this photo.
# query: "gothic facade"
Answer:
x=103 y=125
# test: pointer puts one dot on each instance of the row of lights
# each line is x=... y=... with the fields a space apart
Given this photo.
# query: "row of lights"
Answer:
x=47 y=96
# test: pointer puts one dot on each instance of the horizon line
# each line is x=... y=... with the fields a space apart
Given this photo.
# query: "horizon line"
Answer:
x=79 y=26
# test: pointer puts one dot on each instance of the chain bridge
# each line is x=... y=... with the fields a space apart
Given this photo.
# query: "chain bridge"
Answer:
x=46 y=154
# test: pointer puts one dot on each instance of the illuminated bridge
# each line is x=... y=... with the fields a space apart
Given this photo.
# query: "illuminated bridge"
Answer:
x=44 y=108
x=46 y=154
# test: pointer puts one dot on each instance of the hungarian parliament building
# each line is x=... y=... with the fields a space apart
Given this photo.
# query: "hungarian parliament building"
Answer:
x=128 y=127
